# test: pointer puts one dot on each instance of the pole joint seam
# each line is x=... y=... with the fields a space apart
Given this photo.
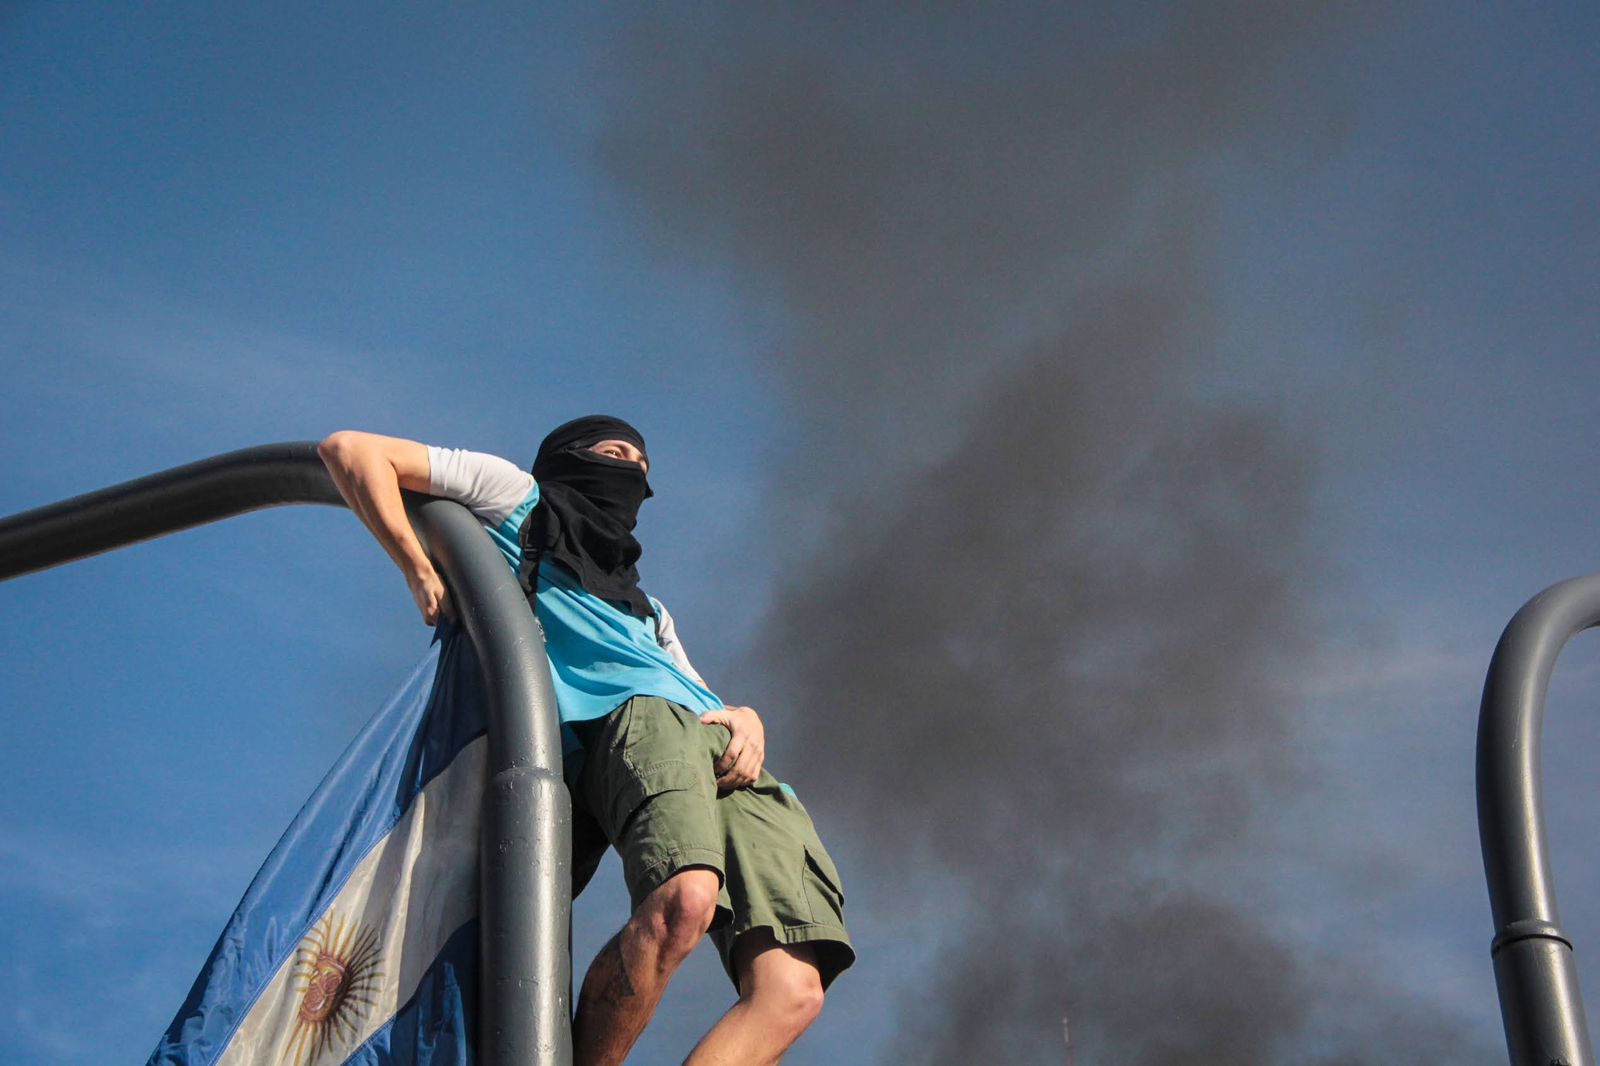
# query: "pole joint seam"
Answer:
x=1527 y=929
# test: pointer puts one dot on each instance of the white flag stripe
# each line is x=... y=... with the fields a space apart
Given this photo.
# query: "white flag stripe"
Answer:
x=415 y=889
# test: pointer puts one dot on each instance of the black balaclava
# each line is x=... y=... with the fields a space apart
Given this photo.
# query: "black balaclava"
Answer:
x=588 y=506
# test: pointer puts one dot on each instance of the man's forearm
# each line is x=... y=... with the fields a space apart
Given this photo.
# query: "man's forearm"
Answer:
x=370 y=486
x=369 y=471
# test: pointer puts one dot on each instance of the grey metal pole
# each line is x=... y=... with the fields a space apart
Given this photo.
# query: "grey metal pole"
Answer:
x=525 y=966
x=162 y=503
x=1534 y=967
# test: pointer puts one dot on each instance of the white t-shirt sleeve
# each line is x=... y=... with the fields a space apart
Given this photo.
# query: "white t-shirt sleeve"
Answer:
x=487 y=485
x=667 y=636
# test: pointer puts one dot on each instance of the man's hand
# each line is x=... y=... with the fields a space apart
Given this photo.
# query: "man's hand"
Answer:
x=433 y=599
x=740 y=764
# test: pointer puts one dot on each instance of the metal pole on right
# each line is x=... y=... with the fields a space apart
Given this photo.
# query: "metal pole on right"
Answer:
x=1534 y=967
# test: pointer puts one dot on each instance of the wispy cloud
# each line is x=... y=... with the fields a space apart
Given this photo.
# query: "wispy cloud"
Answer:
x=1393 y=671
x=107 y=883
x=141 y=357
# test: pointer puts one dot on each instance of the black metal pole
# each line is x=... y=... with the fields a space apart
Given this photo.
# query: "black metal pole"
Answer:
x=525 y=968
x=1534 y=967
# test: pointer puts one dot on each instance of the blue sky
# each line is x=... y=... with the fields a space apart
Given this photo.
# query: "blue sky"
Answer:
x=228 y=224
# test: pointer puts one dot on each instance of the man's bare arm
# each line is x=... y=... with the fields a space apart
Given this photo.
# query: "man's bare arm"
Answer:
x=370 y=470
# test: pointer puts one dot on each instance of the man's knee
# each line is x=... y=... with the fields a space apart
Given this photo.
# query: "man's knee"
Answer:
x=781 y=981
x=679 y=911
x=796 y=998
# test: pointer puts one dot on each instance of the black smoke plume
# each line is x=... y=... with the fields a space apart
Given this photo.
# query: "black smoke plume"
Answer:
x=1050 y=598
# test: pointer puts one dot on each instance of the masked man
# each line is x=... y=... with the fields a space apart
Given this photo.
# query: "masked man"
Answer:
x=657 y=765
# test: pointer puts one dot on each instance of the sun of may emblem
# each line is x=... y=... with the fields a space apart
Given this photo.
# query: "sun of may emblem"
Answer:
x=336 y=971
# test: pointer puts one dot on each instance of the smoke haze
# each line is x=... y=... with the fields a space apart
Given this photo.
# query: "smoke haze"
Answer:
x=1050 y=601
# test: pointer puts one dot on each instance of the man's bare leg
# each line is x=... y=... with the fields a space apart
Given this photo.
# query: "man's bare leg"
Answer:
x=780 y=995
x=626 y=979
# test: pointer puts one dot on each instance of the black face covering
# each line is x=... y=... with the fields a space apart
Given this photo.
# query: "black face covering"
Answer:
x=588 y=506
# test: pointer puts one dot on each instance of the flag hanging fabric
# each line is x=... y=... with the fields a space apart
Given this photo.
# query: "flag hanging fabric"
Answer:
x=357 y=941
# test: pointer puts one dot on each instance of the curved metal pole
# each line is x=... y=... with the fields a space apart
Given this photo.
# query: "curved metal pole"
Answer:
x=524 y=858
x=164 y=502
x=525 y=968
x=1534 y=967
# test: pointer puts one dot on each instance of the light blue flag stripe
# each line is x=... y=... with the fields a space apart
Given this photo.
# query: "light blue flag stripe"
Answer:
x=414 y=737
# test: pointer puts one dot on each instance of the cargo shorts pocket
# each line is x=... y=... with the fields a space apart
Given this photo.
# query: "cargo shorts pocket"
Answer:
x=632 y=789
x=824 y=893
x=824 y=888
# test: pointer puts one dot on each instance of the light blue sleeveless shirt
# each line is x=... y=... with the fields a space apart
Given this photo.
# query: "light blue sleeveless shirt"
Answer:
x=600 y=655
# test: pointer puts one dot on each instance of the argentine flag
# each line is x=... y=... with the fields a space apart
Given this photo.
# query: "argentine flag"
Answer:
x=357 y=941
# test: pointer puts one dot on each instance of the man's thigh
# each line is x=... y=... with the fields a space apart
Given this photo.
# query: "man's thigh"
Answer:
x=648 y=782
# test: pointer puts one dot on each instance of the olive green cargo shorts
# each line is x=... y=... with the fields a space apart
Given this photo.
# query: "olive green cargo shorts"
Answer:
x=646 y=785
